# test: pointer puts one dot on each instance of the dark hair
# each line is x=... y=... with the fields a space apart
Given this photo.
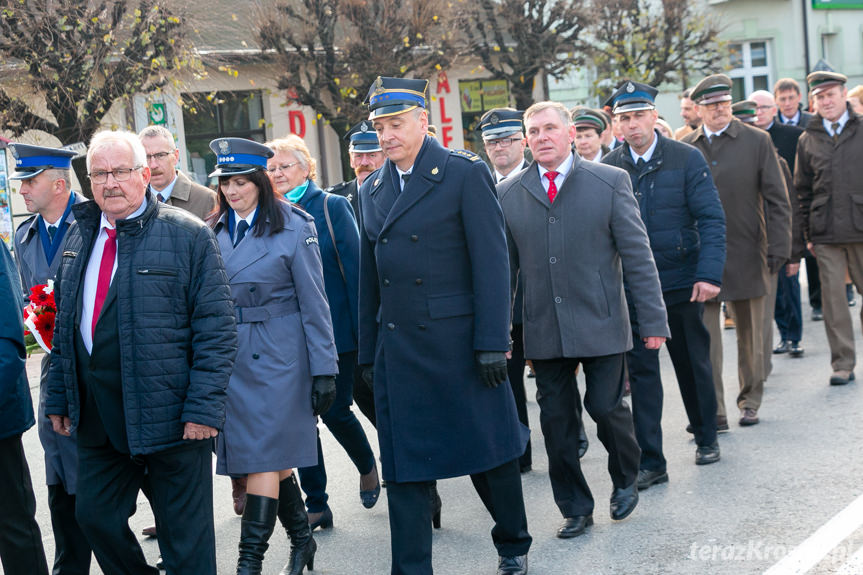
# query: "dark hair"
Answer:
x=270 y=218
x=784 y=84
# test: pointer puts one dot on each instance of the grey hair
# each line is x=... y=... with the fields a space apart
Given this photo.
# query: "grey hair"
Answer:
x=110 y=138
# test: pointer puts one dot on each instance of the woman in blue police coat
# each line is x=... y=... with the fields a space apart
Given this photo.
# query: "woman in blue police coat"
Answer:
x=284 y=374
x=292 y=171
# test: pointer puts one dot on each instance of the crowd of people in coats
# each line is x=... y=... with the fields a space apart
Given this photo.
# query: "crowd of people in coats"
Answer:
x=191 y=322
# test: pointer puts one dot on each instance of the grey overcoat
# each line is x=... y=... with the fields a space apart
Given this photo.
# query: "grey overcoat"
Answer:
x=573 y=256
x=285 y=336
x=61 y=453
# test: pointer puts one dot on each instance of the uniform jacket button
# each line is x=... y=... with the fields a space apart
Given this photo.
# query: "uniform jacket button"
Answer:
x=384 y=240
x=391 y=326
x=386 y=282
x=422 y=326
x=419 y=281
x=415 y=238
x=256 y=356
x=253 y=288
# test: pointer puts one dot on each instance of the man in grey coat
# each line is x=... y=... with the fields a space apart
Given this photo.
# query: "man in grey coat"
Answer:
x=574 y=231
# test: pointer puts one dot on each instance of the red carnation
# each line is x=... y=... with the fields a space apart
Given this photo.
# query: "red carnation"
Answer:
x=38 y=296
x=45 y=324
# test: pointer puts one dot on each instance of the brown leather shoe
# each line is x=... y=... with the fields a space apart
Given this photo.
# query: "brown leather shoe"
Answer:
x=748 y=416
x=238 y=493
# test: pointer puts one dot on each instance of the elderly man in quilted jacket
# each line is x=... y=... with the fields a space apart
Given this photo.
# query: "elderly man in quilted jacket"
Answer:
x=143 y=351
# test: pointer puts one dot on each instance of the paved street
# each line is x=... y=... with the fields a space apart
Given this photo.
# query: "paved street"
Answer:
x=777 y=484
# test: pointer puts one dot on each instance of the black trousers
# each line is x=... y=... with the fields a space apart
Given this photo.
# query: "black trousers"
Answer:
x=21 y=550
x=814 y=280
x=364 y=397
x=515 y=370
x=557 y=395
x=181 y=495
x=71 y=548
x=689 y=348
x=410 y=511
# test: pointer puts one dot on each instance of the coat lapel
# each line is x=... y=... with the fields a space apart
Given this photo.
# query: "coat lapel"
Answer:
x=247 y=252
x=530 y=181
x=181 y=189
x=428 y=170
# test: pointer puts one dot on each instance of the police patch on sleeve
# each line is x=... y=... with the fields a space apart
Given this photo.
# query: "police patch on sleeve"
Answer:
x=311 y=240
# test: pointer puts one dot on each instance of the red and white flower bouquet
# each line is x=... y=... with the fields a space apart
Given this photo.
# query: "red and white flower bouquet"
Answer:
x=39 y=317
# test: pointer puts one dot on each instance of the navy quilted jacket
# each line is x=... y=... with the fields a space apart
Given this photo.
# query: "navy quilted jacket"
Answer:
x=681 y=211
x=178 y=336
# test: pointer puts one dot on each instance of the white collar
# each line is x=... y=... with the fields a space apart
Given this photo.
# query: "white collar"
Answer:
x=828 y=125
x=648 y=154
x=710 y=134
x=498 y=176
x=562 y=170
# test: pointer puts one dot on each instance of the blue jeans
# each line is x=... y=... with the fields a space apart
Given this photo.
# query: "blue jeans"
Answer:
x=788 y=314
x=347 y=430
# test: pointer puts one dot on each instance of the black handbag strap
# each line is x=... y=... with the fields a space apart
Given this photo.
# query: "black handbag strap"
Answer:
x=333 y=237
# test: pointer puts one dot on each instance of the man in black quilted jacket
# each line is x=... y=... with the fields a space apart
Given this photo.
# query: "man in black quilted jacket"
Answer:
x=143 y=350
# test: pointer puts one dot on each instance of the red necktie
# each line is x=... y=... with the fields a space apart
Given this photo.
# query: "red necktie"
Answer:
x=106 y=266
x=552 y=187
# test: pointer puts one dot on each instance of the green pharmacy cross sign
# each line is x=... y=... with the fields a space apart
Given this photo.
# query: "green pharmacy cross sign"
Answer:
x=837 y=4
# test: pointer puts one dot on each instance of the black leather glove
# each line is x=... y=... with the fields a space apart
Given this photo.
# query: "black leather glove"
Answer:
x=775 y=263
x=323 y=393
x=492 y=367
x=368 y=374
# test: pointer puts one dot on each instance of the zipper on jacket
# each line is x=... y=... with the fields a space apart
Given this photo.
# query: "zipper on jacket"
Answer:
x=157 y=272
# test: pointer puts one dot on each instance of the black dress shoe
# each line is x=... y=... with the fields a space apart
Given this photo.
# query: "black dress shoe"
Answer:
x=783 y=347
x=707 y=454
x=841 y=377
x=817 y=314
x=646 y=478
x=623 y=501
x=795 y=349
x=574 y=526
x=512 y=565
x=324 y=519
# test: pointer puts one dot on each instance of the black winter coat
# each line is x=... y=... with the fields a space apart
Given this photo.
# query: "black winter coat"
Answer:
x=178 y=336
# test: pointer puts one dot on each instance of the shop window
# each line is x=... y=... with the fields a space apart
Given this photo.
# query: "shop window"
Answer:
x=207 y=116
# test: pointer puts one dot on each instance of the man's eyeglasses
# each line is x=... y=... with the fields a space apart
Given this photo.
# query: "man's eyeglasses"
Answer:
x=283 y=167
x=120 y=175
x=159 y=156
x=500 y=143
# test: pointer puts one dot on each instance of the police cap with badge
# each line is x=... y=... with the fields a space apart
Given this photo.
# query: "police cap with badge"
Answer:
x=239 y=156
x=501 y=123
x=363 y=139
x=390 y=96
x=745 y=111
x=822 y=80
x=588 y=118
x=712 y=89
x=632 y=97
x=30 y=161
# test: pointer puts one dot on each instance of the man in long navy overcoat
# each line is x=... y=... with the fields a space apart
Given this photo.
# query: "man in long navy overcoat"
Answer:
x=434 y=330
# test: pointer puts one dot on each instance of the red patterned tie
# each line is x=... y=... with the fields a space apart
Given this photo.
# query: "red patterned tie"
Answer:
x=552 y=187
x=106 y=266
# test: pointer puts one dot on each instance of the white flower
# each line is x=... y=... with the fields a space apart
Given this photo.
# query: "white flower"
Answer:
x=49 y=287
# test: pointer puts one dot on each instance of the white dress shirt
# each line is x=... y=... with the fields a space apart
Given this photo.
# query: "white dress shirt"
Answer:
x=562 y=171
x=498 y=177
x=646 y=155
x=710 y=135
x=828 y=125
x=91 y=276
x=166 y=193
x=401 y=179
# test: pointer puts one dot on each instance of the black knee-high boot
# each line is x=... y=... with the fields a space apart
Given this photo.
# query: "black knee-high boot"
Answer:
x=259 y=520
x=292 y=514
